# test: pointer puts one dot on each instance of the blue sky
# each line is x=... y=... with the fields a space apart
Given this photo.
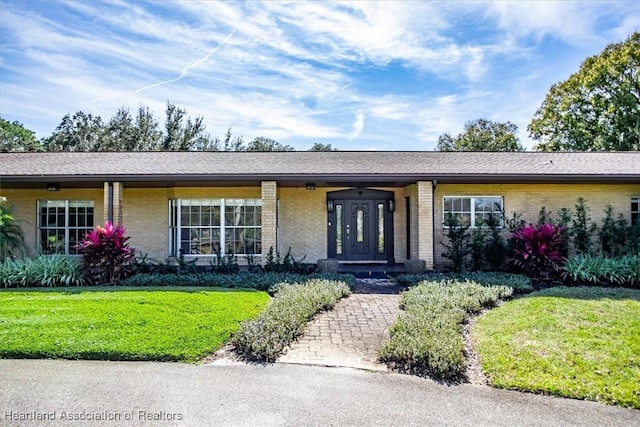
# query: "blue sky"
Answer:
x=360 y=76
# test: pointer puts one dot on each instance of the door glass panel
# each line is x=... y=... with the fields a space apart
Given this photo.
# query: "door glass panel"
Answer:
x=380 y=228
x=360 y=226
x=338 y=229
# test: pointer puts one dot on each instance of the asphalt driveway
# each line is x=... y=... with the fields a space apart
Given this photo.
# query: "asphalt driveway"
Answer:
x=57 y=392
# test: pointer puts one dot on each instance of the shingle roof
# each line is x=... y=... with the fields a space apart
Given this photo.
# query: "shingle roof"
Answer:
x=302 y=164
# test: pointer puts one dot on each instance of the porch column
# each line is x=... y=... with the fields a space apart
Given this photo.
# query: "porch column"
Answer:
x=424 y=204
x=269 y=216
x=112 y=203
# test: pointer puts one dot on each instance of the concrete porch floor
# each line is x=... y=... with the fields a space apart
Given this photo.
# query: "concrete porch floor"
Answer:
x=371 y=271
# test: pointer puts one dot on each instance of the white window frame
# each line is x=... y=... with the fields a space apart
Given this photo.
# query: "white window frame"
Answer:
x=472 y=211
x=67 y=228
x=636 y=200
x=175 y=224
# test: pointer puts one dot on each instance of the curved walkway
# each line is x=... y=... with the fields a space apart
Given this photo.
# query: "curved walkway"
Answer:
x=350 y=334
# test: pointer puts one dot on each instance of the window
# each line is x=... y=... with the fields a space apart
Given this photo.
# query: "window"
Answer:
x=206 y=226
x=473 y=211
x=635 y=210
x=62 y=224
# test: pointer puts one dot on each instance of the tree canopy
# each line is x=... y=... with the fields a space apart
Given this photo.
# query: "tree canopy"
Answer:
x=318 y=146
x=14 y=137
x=261 y=143
x=124 y=132
x=597 y=108
x=482 y=135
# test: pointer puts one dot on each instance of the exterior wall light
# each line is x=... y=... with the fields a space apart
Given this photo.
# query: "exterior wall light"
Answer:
x=329 y=205
x=391 y=205
x=53 y=186
x=310 y=186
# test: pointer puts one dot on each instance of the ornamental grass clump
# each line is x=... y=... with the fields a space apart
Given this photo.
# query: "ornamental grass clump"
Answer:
x=106 y=253
x=601 y=270
x=47 y=271
x=427 y=339
x=285 y=317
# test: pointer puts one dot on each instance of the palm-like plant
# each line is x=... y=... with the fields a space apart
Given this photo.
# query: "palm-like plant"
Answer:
x=11 y=234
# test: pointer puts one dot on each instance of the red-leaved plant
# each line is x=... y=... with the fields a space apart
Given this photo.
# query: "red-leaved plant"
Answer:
x=106 y=253
x=538 y=249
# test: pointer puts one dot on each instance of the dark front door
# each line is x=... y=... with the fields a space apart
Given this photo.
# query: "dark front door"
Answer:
x=359 y=231
x=360 y=226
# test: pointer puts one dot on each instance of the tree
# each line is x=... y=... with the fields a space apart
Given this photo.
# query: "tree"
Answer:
x=14 y=137
x=183 y=136
x=260 y=143
x=146 y=130
x=597 y=108
x=80 y=132
x=482 y=135
x=318 y=146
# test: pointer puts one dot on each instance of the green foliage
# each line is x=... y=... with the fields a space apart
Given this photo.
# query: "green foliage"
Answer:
x=519 y=283
x=581 y=229
x=45 y=270
x=318 y=146
x=482 y=135
x=457 y=245
x=285 y=317
x=111 y=323
x=11 y=235
x=427 y=337
x=495 y=248
x=579 y=342
x=85 y=132
x=14 y=137
x=261 y=281
x=602 y=270
x=597 y=108
x=566 y=233
x=261 y=143
x=477 y=248
x=514 y=222
x=227 y=264
x=274 y=264
x=613 y=234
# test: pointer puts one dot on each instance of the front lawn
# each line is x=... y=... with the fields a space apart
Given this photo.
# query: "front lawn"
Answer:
x=181 y=324
x=581 y=342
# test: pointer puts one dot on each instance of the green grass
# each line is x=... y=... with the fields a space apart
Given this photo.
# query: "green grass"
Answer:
x=581 y=342
x=179 y=324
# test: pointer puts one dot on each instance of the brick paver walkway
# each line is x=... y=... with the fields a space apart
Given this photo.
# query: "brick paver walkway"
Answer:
x=351 y=334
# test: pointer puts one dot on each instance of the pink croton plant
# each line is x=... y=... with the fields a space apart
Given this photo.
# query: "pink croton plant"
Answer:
x=106 y=253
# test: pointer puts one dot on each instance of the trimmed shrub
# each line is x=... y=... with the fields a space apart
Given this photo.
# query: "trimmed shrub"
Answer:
x=45 y=270
x=602 y=270
x=519 y=283
x=261 y=281
x=427 y=339
x=537 y=249
x=457 y=246
x=106 y=253
x=285 y=317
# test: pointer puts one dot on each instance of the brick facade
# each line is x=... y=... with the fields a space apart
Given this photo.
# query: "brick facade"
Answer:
x=527 y=199
x=297 y=218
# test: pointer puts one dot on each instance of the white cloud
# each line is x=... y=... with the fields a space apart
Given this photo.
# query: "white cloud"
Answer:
x=297 y=71
x=358 y=125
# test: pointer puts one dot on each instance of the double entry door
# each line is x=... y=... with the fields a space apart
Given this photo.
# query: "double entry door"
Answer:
x=361 y=228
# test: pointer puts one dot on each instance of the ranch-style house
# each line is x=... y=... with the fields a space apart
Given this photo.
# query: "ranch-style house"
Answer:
x=354 y=207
